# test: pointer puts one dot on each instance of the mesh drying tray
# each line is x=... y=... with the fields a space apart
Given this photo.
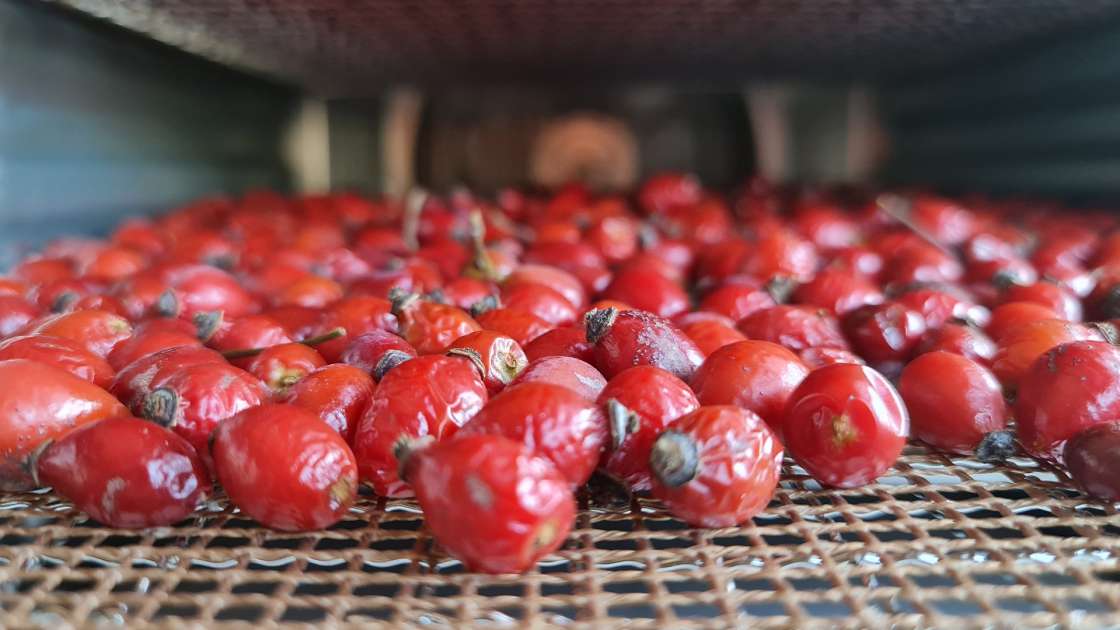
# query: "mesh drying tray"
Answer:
x=939 y=541
x=355 y=47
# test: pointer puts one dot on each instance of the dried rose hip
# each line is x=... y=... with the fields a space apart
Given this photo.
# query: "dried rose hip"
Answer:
x=337 y=394
x=639 y=403
x=628 y=338
x=554 y=421
x=124 y=472
x=497 y=357
x=576 y=375
x=1067 y=389
x=285 y=467
x=1093 y=459
x=846 y=425
x=490 y=501
x=956 y=405
x=716 y=466
x=756 y=375
x=426 y=396
x=39 y=402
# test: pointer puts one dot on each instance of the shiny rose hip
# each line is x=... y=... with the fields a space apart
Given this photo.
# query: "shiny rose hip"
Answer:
x=716 y=466
x=285 y=468
x=846 y=425
x=628 y=338
x=124 y=472
x=639 y=403
x=555 y=422
x=490 y=501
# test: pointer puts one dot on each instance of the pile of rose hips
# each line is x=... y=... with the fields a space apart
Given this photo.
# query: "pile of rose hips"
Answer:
x=489 y=356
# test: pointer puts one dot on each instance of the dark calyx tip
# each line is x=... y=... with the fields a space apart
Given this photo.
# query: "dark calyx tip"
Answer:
x=1108 y=330
x=488 y=303
x=405 y=447
x=780 y=288
x=167 y=305
x=471 y=355
x=388 y=361
x=622 y=421
x=996 y=446
x=436 y=295
x=161 y=406
x=401 y=300
x=31 y=463
x=674 y=459
x=207 y=323
x=64 y=301
x=598 y=322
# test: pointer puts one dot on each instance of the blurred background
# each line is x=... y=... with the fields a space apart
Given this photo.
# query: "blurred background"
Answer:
x=110 y=109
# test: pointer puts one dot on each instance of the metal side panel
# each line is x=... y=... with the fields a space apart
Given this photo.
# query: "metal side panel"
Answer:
x=96 y=124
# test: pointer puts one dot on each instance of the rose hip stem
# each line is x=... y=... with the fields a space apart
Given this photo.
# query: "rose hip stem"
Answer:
x=242 y=353
x=893 y=206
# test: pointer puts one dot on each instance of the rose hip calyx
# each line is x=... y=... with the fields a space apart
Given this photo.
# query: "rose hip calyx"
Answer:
x=675 y=459
x=598 y=322
x=388 y=361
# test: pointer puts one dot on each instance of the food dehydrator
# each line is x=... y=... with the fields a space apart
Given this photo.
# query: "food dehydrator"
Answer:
x=113 y=109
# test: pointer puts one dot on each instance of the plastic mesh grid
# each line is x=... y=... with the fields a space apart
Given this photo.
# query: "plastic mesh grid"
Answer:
x=939 y=541
x=353 y=47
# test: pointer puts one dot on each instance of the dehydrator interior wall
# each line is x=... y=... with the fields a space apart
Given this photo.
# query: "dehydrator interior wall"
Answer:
x=97 y=123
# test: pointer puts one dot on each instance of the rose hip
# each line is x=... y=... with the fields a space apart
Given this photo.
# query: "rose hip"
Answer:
x=1019 y=348
x=628 y=338
x=428 y=326
x=717 y=466
x=647 y=290
x=124 y=472
x=66 y=354
x=795 y=327
x=579 y=376
x=426 y=396
x=1065 y=390
x=965 y=340
x=554 y=421
x=756 y=375
x=194 y=399
x=568 y=341
x=639 y=403
x=281 y=366
x=367 y=351
x=497 y=357
x=710 y=336
x=956 y=405
x=40 y=402
x=544 y=302
x=884 y=333
x=522 y=326
x=846 y=425
x=98 y=331
x=1011 y=315
x=356 y=315
x=817 y=357
x=337 y=394
x=838 y=291
x=1093 y=459
x=490 y=502
x=285 y=468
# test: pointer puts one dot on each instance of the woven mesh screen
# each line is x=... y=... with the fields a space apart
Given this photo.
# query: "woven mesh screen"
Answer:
x=353 y=47
x=939 y=541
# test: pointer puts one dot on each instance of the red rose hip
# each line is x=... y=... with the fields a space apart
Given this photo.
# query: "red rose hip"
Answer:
x=717 y=466
x=1067 y=389
x=285 y=467
x=578 y=376
x=640 y=403
x=846 y=425
x=554 y=421
x=956 y=405
x=490 y=502
x=426 y=396
x=628 y=338
x=124 y=472
x=1093 y=459
x=756 y=375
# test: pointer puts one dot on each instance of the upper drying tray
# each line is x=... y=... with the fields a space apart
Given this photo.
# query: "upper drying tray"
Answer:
x=356 y=47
